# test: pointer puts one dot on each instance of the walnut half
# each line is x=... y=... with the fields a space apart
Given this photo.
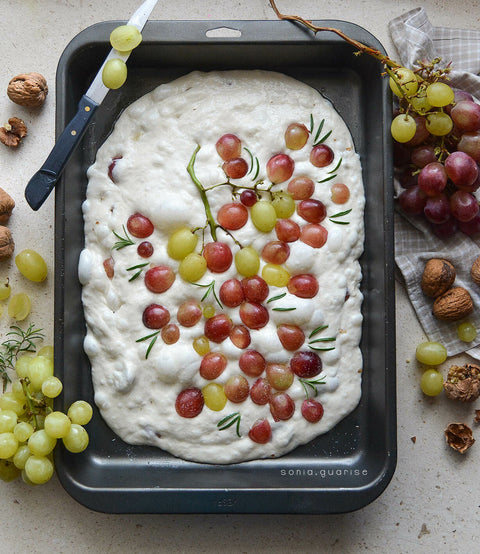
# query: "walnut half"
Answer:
x=12 y=133
x=28 y=89
x=459 y=436
x=463 y=383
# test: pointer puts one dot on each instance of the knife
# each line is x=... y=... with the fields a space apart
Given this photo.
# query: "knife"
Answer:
x=42 y=183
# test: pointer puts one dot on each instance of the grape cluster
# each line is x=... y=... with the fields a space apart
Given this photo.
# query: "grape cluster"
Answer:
x=29 y=426
x=437 y=150
x=269 y=209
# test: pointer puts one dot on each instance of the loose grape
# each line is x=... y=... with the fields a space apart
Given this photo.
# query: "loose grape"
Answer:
x=466 y=332
x=321 y=155
x=170 y=333
x=57 y=425
x=38 y=469
x=213 y=365
x=232 y=216
x=111 y=168
x=283 y=204
x=253 y=315
x=218 y=255
x=159 y=278
x=201 y=346
x=314 y=235
x=247 y=261
x=125 y=38
x=255 y=289
x=229 y=147
x=260 y=432
x=291 y=336
x=403 y=128
x=431 y=353
x=214 y=397
x=41 y=443
x=192 y=267
x=76 y=440
x=231 y=293
x=236 y=168
x=236 y=389
x=145 y=249
x=114 y=73
x=189 y=313
x=189 y=403
x=282 y=406
x=252 y=363
x=218 y=328
x=109 y=267
x=431 y=382
x=39 y=369
x=301 y=188
x=80 y=412
x=312 y=410
x=261 y=391
x=312 y=210
x=280 y=168
x=19 y=306
x=155 y=316
x=8 y=420
x=5 y=289
x=339 y=193
x=287 y=230
x=21 y=456
x=23 y=431
x=240 y=336
x=52 y=387
x=407 y=82
x=8 y=445
x=275 y=275
x=208 y=311
x=296 y=136
x=438 y=123
x=181 y=243
x=303 y=285
x=279 y=376
x=263 y=216
x=31 y=265
x=440 y=94
x=306 y=364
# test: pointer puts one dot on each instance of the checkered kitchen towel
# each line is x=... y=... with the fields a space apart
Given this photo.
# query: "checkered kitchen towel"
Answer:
x=415 y=39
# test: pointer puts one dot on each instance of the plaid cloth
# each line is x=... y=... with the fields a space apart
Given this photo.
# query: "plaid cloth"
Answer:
x=416 y=39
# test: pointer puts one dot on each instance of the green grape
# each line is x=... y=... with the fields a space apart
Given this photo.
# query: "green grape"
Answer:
x=431 y=382
x=8 y=445
x=283 y=204
x=57 y=425
x=52 y=387
x=77 y=439
x=407 y=81
x=275 y=275
x=208 y=312
x=420 y=102
x=40 y=443
x=263 y=216
x=192 y=267
x=8 y=420
x=431 y=353
x=21 y=456
x=23 y=431
x=5 y=289
x=22 y=364
x=125 y=38
x=181 y=243
x=438 y=123
x=31 y=265
x=8 y=401
x=8 y=471
x=201 y=345
x=214 y=397
x=17 y=391
x=38 y=469
x=403 y=128
x=39 y=369
x=440 y=94
x=466 y=332
x=19 y=306
x=46 y=351
x=80 y=412
x=247 y=261
x=114 y=73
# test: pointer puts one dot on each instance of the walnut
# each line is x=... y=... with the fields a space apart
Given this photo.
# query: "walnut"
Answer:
x=453 y=305
x=475 y=271
x=28 y=89
x=6 y=243
x=463 y=383
x=13 y=132
x=459 y=437
x=477 y=416
x=7 y=204
x=438 y=276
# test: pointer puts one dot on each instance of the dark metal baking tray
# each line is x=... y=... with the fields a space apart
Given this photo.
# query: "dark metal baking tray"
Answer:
x=340 y=471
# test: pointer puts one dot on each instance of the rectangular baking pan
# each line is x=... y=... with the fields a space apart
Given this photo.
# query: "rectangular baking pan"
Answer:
x=340 y=471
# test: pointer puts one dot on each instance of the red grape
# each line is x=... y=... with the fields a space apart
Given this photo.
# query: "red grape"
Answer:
x=236 y=389
x=252 y=363
x=445 y=230
x=139 y=226
x=470 y=144
x=461 y=168
x=282 y=407
x=287 y=230
x=145 y=249
x=291 y=336
x=340 y=193
x=189 y=403
x=111 y=167
x=432 y=178
x=232 y=216
x=466 y=115
x=260 y=432
x=463 y=205
x=312 y=410
x=301 y=188
x=303 y=285
x=423 y=155
x=421 y=132
x=413 y=200
x=470 y=228
x=321 y=155
x=280 y=376
x=408 y=177
x=189 y=313
x=108 y=266
x=306 y=364
x=240 y=336
x=213 y=365
x=261 y=391
x=253 y=315
x=296 y=136
x=170 y=333
x=218 y=255
x=255 y=288
x=314 y=235
x=159 y=278
x=228 y=147
x=280 y=168
x=312 y=210
x=437 y=209
x=218 y=327
x=248 y=198
x=401 y=154
x=155 y=316
x=231 y=293
x=275 y=252
x=236 y=168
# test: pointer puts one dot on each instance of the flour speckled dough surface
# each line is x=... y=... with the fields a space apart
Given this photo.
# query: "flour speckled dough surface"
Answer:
x=156 y=137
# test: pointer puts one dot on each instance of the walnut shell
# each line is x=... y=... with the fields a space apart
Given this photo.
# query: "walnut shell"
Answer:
x=463 y=383
x=459 y=436
x=475 y=271
x=6 y=243
x=438 y=276
x=7 y=203
x=453 y=305
x=28 y=89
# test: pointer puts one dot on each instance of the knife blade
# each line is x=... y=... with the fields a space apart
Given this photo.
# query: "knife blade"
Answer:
x=44 y=180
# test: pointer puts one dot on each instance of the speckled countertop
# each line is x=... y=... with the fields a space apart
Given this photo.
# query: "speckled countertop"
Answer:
x=432 y=502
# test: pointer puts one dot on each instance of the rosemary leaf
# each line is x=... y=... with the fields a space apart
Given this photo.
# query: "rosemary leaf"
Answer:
x=327 y=178
x=324 y=138
x=340 y=222
x=137 y=266
x=284 y=309
x=251 y=160
x=319 y=349
x=337 y=166
x=133 y=277
x=123 y=241
x=312 y=125
x=225 y=419
x=326 y=339
x=276 y=297
x=257 y=170
x=340 y=214
x=320 y=127
x=317 y=330
x=148 y=336
x=150 y=346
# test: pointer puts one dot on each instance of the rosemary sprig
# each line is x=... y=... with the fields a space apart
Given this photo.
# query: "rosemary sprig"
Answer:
x=276 y=297
x=18 y=341
x=337 y=166
x=317 y=330
x=329 y=178
x=333 y=219
x=312 y=384
x=210 y=289
x=154 y=337
x=140 y=269
x=230 y=420
x=284 y=309
x=122 y=242
x=323 y=139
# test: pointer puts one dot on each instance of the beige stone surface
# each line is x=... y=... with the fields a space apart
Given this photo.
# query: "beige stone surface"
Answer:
x=432 y=502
